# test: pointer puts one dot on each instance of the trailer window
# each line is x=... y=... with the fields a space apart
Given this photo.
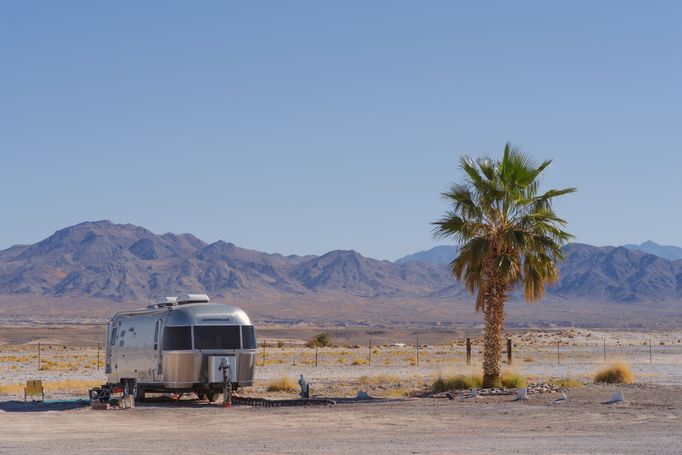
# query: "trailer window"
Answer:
x=216 y=337
x=248 y=337
x=177 y=339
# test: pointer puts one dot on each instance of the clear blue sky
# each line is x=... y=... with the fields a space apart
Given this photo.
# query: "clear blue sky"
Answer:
x=301 y=127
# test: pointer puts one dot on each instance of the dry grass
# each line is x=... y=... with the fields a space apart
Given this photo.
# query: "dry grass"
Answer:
x=62 y=365
x=283 y=384
x=19 y=359
x=457 y=382
x=567 y=383
x=12 y=389
x=380 y=379
x=512 y=380
x=68 y=385
x=398 y=393
x=616 y=373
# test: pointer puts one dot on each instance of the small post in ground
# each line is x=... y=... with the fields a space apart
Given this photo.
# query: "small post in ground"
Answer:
x=650 y=358
x=605 y=350
x=468 y=351
x=369 y=353
x=417 y=351
x=315 y=355
x=558 y=360
x=98 y=355
x=38 y=356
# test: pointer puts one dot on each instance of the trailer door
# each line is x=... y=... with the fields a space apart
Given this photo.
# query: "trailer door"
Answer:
x=113 y=349
x=158 y=330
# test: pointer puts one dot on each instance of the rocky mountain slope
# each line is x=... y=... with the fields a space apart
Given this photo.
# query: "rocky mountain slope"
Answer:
x=124 y=262
x=127 y=263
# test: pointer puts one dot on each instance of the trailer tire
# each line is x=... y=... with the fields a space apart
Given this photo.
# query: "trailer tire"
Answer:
x=138 y=392
x=201 y=396
x=213 y=396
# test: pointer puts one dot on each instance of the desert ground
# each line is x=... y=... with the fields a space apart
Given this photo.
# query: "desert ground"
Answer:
x=405 y=416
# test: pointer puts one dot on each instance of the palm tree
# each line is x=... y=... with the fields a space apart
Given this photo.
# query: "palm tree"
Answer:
x=508 y=235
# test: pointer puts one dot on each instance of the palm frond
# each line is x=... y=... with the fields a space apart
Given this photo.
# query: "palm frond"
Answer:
x=507 y=231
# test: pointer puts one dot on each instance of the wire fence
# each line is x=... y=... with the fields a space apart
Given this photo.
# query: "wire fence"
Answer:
x=547 y=352
x=558 y=352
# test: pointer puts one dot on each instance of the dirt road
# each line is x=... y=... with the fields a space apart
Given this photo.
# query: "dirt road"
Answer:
x=649 y=422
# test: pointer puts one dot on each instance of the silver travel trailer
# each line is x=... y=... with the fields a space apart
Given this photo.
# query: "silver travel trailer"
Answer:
x=178 y=346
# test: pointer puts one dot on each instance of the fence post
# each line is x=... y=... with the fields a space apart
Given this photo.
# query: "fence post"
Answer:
x=509 y=351
x=468 y=351
x=650 y=358
x=263 y=353
x=38 y=356
x=558 y=360
x=369 y=353
x=604 y=350
x=417 y=351
x=98 y=355
x=315 y=355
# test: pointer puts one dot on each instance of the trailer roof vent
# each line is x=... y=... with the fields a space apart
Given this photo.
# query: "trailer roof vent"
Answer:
x=167 y=301
x=192 y=298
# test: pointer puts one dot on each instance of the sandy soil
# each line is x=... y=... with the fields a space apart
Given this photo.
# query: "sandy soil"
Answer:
x=648 y=422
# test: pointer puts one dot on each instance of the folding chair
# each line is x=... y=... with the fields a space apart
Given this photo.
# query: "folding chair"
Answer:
x=34 y=388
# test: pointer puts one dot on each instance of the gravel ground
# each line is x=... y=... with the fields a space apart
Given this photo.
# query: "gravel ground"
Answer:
x=648 y=422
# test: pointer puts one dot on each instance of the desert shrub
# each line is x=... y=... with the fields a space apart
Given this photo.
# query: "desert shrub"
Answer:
x=616 y=373
x=529 y=360
x=280 y=343
x=320 y=340
x=283 y=384
x=358 y=362
x=567 y=383
x=457 y=382
x=512 y=380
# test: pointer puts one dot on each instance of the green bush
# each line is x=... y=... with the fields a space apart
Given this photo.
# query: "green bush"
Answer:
x=457 y=382
x=320 y=340
x=512 y=380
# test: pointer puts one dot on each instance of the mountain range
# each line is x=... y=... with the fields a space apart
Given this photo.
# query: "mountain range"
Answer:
x=109 y=262
x=670 y=252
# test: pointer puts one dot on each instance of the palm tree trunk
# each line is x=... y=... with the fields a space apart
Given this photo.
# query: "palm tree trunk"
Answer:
x=493 y=331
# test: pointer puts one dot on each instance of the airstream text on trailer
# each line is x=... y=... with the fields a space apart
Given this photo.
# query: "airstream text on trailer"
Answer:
x=179 y=345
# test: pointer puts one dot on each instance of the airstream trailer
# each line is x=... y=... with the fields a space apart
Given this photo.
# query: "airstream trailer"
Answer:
x=178 y=344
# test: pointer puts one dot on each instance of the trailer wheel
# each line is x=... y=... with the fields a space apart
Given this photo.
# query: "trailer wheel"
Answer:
x=201 y=395
x=138 y=392
x=213 y=396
